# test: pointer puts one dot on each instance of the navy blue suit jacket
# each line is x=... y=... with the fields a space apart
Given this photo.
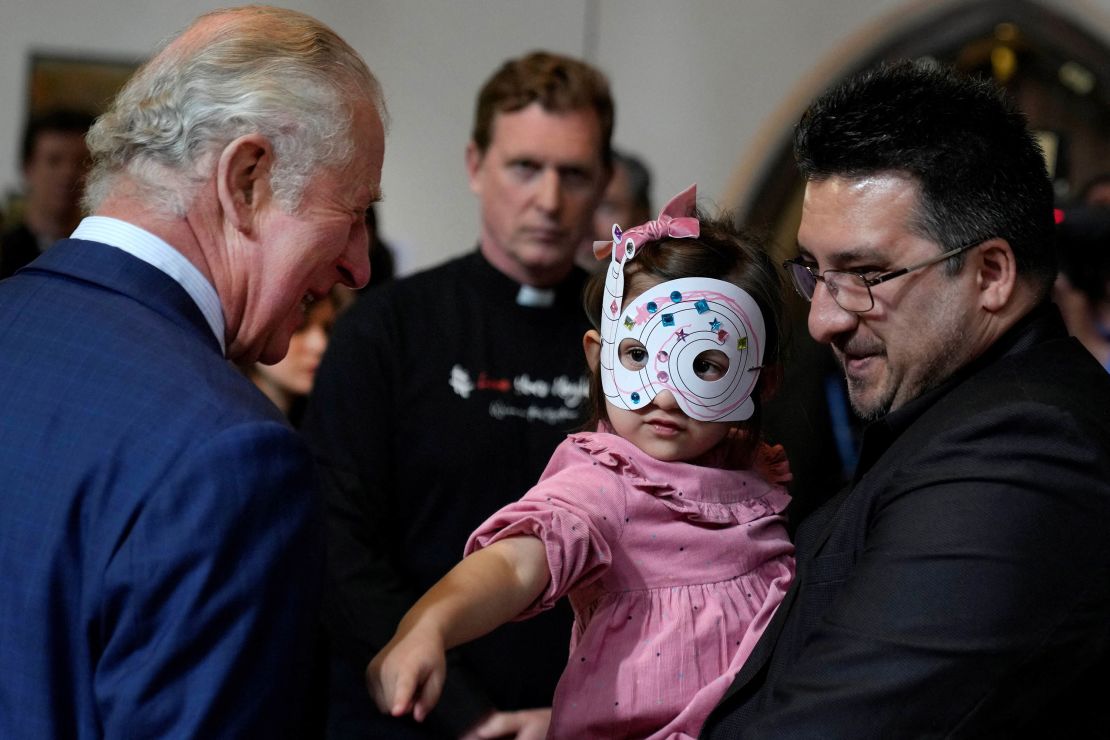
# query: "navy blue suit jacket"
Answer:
x=159 y=549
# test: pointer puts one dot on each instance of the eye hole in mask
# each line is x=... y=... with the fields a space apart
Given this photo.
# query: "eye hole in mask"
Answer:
x=711 y=365
x=633 y=355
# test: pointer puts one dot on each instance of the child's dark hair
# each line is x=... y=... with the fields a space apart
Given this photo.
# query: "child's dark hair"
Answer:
x=723 y=251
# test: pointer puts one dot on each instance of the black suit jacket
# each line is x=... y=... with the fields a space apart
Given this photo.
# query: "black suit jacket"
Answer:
x=960 y=586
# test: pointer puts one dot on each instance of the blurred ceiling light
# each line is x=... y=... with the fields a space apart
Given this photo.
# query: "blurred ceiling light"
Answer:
x=1006 y=32
x=1003 y=63
x=1076 y=78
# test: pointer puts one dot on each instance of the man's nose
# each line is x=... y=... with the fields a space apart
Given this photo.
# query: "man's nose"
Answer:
x=826 y=318
x=354 y=263
x=550 y=191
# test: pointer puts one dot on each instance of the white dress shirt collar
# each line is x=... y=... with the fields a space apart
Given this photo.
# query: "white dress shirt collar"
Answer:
x=149 y=248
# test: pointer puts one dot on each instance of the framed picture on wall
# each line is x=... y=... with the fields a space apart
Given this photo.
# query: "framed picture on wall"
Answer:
x=75 y=82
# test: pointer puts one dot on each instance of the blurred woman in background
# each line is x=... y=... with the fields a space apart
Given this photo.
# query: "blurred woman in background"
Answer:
x=288 y=383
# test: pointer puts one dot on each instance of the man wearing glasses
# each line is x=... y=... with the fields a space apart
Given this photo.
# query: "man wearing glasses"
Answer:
x=960 y=585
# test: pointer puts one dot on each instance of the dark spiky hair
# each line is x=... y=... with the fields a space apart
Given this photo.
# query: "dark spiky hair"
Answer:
x=980 y=170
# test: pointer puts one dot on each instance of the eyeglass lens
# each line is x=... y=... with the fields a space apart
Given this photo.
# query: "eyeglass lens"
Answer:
x=804 y=280
x=847 y=288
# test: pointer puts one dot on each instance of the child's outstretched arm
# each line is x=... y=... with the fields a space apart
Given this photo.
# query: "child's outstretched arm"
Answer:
x=485 y=590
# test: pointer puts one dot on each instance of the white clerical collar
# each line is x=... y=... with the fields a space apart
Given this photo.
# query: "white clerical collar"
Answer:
x=535 y=297
x=143 y=245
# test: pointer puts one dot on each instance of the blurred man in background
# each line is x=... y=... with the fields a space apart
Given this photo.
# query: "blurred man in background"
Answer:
x=54 y=159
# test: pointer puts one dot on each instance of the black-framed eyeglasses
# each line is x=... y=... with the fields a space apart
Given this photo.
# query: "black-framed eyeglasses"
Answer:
x=852 y=290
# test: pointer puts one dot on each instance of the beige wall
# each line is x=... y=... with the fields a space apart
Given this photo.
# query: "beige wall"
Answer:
x=703 y=88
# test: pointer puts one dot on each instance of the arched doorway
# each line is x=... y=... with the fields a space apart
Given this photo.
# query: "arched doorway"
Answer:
x=1058 y=72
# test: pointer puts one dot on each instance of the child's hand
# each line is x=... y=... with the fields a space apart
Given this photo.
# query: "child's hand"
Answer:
x=485 y=590
x=407 y=675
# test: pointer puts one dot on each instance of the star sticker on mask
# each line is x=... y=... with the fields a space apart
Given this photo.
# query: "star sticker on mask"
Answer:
x=715 y=324
x=680 y=335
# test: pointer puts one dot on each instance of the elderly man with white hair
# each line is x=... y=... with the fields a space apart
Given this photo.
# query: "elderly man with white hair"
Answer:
x=160 y=558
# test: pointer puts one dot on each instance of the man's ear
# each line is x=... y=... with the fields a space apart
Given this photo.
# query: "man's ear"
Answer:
x=591 y=345
x=474 y=163
x=996 y=275
x=243 y=179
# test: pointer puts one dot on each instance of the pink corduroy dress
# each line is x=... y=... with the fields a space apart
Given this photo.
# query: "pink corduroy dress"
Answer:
x=673 y=570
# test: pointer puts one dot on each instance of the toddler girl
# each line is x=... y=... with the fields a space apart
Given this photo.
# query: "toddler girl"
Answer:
x=663 y=527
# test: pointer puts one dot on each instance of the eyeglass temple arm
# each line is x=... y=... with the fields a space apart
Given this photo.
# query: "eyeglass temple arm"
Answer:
x=931 y=261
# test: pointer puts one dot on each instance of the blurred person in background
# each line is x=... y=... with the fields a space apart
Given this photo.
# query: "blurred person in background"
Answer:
x=289 y=381
x=1097 y=191
x=1082 y=289
x=626 y=201
x=54 y=160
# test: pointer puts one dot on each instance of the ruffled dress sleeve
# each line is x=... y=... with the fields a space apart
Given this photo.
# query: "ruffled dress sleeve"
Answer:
x=576 y=509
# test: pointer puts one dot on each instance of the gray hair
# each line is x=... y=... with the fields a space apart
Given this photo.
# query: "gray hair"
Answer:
x=254 y=69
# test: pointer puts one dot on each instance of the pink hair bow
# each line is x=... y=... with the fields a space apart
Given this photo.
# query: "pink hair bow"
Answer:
x=676 y=221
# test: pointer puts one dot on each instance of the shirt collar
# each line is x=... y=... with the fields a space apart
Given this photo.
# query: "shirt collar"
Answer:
x=156 y=252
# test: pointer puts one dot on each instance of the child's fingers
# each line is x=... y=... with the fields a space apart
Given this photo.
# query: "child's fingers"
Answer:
x=407 y=676
x=428 y=696
x=400 y=698
x=391 y=692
